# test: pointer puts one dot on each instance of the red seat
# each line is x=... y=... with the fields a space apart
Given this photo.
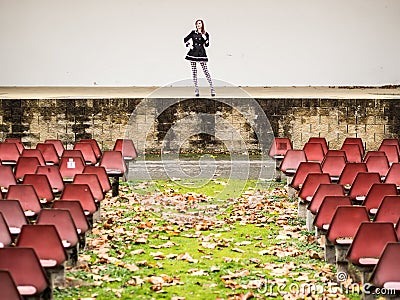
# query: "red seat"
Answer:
x=34 y=153
x=386 y=273
x=93 y=182
x=361 y=185
x=7 y=178
x=126 y=147
x=302 y=171
x=291 y=161
x=393 y=175
x=336 y=153
x=87 y=151
x=113 y=162
x=350 y=172
x=25 y=165
x=391 y=141
x=42 y=186
x=17 y=142
x=345 y=223
x=82 y=193
x=26 y=195
x=54 y=176
x=24 y=267
x=57 y=144
x=320 y=140
x=376 y=194
x=5 y=235
x=311 y=184
x=279 y=147
x=49 y=153
x=95 y=146
x=373 y=153
x=353 y=152
x=63 y=222
x=46 y=242
x=327 y=209
x=391 y=152
x=369 y=242
x=8 y=287
x=73 y=153
x=355 y=140
x=101 y=175
x=388 y=210
x=323 y=190
x=333 y=165
x=9 y=153
x=77 y=213
x=314 y=152
x=69 y=166
x=14 y=215
x=379 y=164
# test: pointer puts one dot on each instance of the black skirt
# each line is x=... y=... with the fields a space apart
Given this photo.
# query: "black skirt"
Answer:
x=198 y=53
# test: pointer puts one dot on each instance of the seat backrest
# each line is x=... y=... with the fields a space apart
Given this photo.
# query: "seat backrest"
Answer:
x=49 y=153
x=391 y=152
x=53 y=175
x=386 y=273
x=373 y=153
x=292 y=160
x=42 y=186
x=69 y=166
x=76 y=211
x=9 y=153
x=376 y=194
x=279 y=147
x=320 y=140
x=393 y=174
x=355 y=140
x=95 y=146
x=82 y=193
x=34 y=153
x=388 y=210
x=379 y=164
x=334 y=152
x=7 y=177
x=345 y=223
x=369 y=242
x=126 y=147
x=8 y=288
x=17 y=142
x=101 y=175
x=57 y=144
x=26 y=195
x=323 y=190
x=25 y=165
x=350 y=172
x=113 y=162
x=87 y=151
x=361 y=185
x=353 y=152
x=29 y=280
x=46 y=241
x=93 y=182
x=333 y=165
x=302 y=171
x=391 y=141
x=62 y=220
x=311 y=184
x=13 y=214
x=327 y=209
x=314 y=152
x=5 y=235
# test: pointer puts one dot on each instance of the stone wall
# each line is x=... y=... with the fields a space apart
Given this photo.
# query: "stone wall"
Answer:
x=199 y=125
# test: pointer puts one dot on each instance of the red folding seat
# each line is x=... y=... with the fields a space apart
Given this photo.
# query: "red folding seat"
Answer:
x=302 y=171
x=49 y=153
x=350 y=172
x=353 y=152
x=77 y=214
x=379 y=164
x=95 y=146
x=54 y=176
x=391 y=152
x=127 y=148
x=323 y=190
x=373 y=153
x=113 y=162
x=25 y=165
x=333 y=165
x=314 y=152
x=26 y=195
x=17 y=142
x=388 y=210
x=311 y=184
x=26 y=270
x=82 y=193
x=7 y=178
x=14 y=215
x=327 y=209
x=369 y=242
x=320 y=140
x=376 y=194
x=291 y=161
x=391 y=141
x=57 y=144
x=101 y=175
x=393 y=175
x=279 y=147
x=93 y=182
x=46 y=242
x=42 y=186
x=386 y=273
x=73 y=153
x=69 y=166
x=87 y=151
x=9 y=153
x=361 y=185
x=355 y=140
x=345 y=223
x=5 y=235
x=8 y=288
x=34 y=153
x=332 y=152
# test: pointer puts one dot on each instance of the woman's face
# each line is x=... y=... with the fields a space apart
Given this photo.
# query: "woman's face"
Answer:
x=199 y=25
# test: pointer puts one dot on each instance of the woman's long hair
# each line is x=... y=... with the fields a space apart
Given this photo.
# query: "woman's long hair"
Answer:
x=202 y=25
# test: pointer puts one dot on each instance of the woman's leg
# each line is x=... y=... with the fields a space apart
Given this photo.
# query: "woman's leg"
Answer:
x=208 y=76
x=194 y=74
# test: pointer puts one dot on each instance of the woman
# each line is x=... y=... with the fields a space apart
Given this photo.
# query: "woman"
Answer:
x=197 y=53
